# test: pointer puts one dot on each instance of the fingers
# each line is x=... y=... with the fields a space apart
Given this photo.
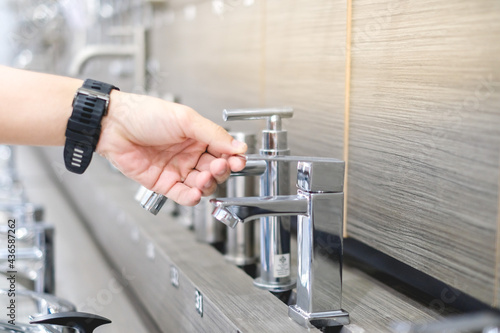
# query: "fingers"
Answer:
x=237 y=163
x=220 y=167
x=202 y=181
x=220 y=170
x=184 y=195
x=190 y=191
x=218 y=140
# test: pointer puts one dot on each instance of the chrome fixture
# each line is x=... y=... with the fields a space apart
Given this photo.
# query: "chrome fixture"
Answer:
x=34 y=238
x=206 y=228
x=135 y=49
x=29 y=304
x=150 y=200
x=11 y=188
x=34 y=247
x=240 y=241
x=274 y=230
x=319 y=207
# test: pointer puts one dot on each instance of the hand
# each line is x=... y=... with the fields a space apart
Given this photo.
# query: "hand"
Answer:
x=167 y=147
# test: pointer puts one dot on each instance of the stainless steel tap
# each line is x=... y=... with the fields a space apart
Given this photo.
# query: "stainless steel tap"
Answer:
x=274 y=230
x=319 y=207
x=135 y=49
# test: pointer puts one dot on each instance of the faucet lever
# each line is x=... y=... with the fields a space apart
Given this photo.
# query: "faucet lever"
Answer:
x=250 y=114
x=253 y=167
x=273 y=115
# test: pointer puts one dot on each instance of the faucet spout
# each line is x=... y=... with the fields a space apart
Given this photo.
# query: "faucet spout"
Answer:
x=319 y=206
x=135 y=49
x=231 y=211
x=98 y=51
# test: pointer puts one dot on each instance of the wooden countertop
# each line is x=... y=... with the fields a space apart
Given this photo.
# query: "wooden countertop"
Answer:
x=147 y=247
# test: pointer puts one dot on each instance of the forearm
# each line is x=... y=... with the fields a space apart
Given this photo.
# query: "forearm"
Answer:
x=34 y=107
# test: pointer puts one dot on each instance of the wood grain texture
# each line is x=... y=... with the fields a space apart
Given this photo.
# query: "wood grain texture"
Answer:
x=305 y=68
x=424 y=136
x=231 y=303
x=211 y=59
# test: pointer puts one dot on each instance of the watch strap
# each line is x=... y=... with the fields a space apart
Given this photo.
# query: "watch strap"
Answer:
x=99 y=86
x=84 y=126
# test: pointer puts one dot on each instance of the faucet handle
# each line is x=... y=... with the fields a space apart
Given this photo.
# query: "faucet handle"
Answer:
x=249 y=114
x=273 y=115
x=314 y=174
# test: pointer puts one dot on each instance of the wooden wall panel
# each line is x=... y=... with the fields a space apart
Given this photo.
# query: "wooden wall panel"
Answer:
x=423 y=113
x=305 y=68
x=210 y=56
x=425 y=136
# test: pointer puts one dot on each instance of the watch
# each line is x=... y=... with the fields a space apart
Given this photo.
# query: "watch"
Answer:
x=90 y=104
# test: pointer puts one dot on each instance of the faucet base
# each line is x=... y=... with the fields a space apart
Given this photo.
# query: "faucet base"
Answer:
x=318 y=319
x=274 y=286
x=240 y=260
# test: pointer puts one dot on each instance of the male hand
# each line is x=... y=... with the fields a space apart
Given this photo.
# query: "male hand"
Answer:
x=168 y=148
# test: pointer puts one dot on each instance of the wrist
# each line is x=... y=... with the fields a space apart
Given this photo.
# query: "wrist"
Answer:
x=112 y=123
x=83 y=131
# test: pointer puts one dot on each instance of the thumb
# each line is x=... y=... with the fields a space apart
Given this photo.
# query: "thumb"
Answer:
x=219 y=141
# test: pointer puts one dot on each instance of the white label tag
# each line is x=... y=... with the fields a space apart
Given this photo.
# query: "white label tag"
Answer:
x=281 y=265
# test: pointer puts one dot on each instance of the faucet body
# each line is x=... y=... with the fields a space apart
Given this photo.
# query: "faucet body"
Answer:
x=319 y=207
x=274 y=272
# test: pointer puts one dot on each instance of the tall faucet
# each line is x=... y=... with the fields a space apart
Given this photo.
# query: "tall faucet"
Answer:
x=274 y=273
x=319 y=207
x=135 y=49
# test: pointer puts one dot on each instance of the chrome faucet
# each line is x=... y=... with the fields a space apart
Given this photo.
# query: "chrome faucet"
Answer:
x=274 y=273
x=135 y=49
x=319 y=207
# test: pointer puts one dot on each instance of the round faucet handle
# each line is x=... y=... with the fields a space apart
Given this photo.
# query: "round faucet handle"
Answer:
x=250 y=114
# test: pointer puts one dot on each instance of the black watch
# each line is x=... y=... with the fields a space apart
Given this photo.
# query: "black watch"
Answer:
x=90 y=104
